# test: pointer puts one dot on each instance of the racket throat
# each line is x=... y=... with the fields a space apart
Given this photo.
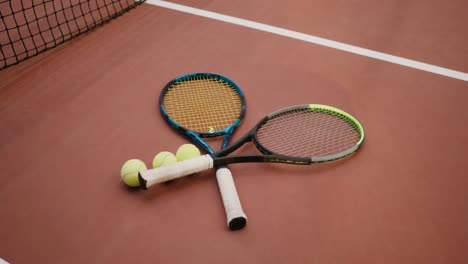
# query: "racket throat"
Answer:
x=226 y=151
x=195 y=138
x=229 y=133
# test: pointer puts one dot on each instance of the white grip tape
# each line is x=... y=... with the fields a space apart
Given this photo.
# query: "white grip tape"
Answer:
x=177 y=170
x=228 y=191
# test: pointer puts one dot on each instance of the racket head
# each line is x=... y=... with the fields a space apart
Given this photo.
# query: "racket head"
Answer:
x=310 y=133
x=202 y=105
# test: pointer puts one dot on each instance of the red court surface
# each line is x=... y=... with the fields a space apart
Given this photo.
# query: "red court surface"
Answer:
x=72 y=116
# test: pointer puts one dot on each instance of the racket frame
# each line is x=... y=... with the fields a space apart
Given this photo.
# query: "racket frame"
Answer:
x=220 y=158
x=197 y=137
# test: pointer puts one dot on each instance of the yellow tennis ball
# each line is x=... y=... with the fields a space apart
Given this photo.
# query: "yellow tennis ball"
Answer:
x=129 y=172
x=187 y=151
x=164 y=158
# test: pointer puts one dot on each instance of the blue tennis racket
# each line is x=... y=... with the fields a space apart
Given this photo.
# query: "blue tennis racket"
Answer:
x=205 y=105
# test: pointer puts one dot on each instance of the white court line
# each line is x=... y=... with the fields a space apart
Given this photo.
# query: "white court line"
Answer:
x=313 y=39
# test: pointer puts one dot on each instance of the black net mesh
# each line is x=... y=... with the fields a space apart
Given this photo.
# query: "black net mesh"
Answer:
x=29 y=27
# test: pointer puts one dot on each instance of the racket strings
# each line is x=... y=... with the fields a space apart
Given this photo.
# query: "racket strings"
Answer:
x=308 y=133
x=202 y=104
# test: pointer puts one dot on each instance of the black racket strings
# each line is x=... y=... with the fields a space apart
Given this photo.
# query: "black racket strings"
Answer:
x=305 y=133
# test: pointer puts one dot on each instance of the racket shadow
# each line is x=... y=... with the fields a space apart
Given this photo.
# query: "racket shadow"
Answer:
x=283 y=172
x=316 y=168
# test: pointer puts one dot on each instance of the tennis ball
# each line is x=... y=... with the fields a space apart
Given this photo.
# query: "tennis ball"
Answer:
x=129 y=172
x=164 y=158
x=187 y=151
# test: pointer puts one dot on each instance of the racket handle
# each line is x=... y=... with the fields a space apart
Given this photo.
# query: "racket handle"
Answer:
x=162 y=174
x=236 y=218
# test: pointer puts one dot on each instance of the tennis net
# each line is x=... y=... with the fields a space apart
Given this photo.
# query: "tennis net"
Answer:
x=30 y=27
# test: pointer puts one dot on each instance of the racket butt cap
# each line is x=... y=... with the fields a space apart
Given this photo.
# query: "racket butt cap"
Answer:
x=142 y=181
x=237 y=223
